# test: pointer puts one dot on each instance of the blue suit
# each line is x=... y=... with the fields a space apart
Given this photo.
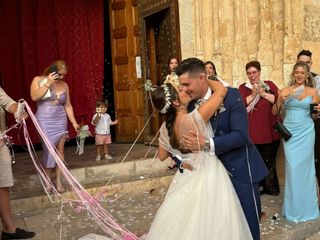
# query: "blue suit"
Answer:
x=239 y=156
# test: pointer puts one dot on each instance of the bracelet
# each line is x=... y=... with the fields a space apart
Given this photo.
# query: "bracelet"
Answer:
x=181 y=167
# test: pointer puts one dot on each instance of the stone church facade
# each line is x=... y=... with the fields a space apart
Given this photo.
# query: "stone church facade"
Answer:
x=232 y=32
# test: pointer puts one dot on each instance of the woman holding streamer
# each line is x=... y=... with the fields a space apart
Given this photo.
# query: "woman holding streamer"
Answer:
x=201 y=201
x=10 y=231
x=51 y=93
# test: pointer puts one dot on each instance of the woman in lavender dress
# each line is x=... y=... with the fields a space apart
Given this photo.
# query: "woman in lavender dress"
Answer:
x=51 y=93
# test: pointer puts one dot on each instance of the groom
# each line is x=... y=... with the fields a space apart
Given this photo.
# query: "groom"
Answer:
x=231 y=142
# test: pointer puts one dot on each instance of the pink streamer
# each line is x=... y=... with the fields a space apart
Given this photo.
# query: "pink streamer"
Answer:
x=83 y=200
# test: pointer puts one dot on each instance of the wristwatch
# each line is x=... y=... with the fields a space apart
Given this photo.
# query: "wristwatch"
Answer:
x=213 y=78
x=206 y=146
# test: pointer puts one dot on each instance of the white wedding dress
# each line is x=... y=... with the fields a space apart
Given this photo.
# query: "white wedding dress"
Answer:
x=200 y=204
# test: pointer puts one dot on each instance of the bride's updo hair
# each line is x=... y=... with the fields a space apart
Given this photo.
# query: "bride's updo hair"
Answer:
x=163 y=98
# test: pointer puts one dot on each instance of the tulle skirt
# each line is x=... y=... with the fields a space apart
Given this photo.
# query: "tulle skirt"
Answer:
x=200 y=205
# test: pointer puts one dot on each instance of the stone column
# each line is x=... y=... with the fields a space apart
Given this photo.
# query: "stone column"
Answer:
x=311 y=31
x=227 y=29
x=217 y=52
x=265 y=53
x=198 y=29
x=207 y=29
x=187 y=25
x=239 y=55
x=233 y=32
x=293 y=15
x=215 y=26
x=277 y=38
x=252 y=30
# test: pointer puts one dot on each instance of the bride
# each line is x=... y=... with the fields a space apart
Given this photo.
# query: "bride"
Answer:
x=201 y=203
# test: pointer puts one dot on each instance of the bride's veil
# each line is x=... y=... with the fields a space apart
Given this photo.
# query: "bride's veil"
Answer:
x=190 y=122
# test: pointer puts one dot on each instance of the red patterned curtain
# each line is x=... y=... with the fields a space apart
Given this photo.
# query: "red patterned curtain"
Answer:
x=34 y=33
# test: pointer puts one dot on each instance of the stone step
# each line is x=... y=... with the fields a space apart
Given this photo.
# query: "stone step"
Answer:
x=94 y=174
x=136 y=211
x=27 y=193
x=134 y=182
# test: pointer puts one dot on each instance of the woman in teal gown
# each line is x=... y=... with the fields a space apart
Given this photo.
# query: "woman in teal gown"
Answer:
x=300 y=195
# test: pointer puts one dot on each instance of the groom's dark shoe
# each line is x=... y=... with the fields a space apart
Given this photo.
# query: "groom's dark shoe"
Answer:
x=261 y=190
x=273 y=192
x=18 y=234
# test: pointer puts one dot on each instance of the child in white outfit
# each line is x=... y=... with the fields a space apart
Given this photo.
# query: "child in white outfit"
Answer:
x=102 y=122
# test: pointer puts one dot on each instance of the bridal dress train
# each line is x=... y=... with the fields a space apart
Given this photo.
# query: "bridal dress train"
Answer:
x=200 y=204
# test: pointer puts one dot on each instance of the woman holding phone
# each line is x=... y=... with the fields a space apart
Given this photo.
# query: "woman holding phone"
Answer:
x=51 y=93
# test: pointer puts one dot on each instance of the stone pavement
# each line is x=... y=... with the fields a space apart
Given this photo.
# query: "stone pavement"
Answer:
x=133 y=196
x=136 y=210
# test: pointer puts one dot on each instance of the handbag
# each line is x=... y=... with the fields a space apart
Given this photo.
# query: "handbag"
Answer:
x=48 y=94
x=280 y=128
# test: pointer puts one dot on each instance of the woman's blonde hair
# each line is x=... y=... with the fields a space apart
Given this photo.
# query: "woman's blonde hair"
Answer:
x=60 y=64
x=309 y=81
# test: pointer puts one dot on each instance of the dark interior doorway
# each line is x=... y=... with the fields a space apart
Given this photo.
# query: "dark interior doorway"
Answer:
x=158 y=51
x=108 y=75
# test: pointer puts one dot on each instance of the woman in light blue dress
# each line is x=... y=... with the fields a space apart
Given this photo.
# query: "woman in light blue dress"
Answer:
x=300 y=195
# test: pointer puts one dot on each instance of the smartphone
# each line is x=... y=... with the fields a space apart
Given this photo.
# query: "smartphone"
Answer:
x=53 y=68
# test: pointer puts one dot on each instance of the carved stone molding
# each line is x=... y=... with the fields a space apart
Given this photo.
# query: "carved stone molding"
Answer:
x=311 y=29
x=148 y=7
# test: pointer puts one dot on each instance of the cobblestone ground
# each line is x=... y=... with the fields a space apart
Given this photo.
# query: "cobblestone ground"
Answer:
x=135 y=211
x=315 y=236
x=274 y=225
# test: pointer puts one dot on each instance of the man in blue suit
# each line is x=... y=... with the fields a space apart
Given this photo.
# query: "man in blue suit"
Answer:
x=231 y=142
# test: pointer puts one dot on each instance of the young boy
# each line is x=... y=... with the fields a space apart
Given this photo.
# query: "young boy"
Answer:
x=102 y=122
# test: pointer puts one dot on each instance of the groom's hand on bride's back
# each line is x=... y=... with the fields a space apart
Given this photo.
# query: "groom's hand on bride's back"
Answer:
x=193 y=141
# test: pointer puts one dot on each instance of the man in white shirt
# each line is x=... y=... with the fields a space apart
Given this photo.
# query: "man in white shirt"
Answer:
x=306 y=57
